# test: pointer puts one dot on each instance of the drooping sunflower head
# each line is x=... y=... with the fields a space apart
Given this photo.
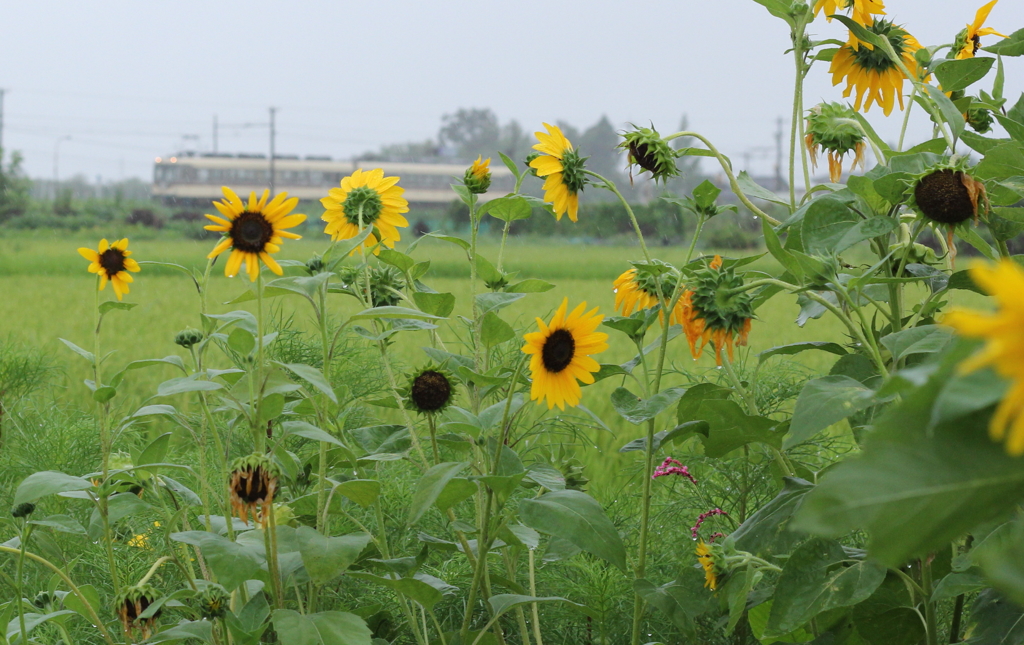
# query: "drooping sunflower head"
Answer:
x=430 y=390
x=110 y=262
x=1003 y=333
x=647 y=149
x=968 y=41
x=863 y=10
x=213 y=602
x=639 y=290
x=706 y=557
x=366 y=199
x=386 y=284
x=478 y=176
x=253 y=230
x=829 y=128
x=560 y=354
x=875 y=76
x=130 y=603
x=947 y=193
x=253 y=484
x=722 y=312
x=563 y=171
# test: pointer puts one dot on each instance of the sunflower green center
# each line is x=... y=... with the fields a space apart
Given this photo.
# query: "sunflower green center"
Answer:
x=363 y=206
x=943 y=197
x=875 y=60
x=572 y=171
x=251 y=232
x=558 y=351
x=430 y=391
x=112 y=261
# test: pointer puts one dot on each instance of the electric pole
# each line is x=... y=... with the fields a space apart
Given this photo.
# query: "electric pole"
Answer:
x=273 y=134
x=214 y=134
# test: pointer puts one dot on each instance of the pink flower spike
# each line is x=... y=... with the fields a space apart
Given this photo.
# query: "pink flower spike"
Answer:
x=703 y=516
x=666 y=468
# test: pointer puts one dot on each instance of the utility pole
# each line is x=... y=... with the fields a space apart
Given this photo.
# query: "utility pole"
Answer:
x=273 y=134
x=214 y=134
x=56 y=158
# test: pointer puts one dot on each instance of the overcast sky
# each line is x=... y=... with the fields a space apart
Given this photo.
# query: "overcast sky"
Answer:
x=129 y=80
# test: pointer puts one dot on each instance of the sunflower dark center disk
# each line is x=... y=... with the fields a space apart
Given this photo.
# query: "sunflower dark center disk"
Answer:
x=430 y=391
x=129 y=608
x=252 y=486
x=251 y=232
x=943 y=198
x=643 y=156
x=976 y=40
x=363 y=203
x=112 y=261
x=558 y=351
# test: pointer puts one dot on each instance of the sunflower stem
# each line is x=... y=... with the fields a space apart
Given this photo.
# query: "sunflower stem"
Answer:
x=906 y=120
x=609 y=185
x=796 y=125
x=696 y=234
x=258 y=434
x=26 y=528
x=270 y=543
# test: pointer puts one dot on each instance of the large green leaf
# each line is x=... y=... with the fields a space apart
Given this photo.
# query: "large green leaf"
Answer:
x=324 y=628
x=818 y=577
x=578 y=518
x=430 y=486
x=916 y=486
x=231 y=562
x=1001 y=558
x=312 y=375
x=887 y=617
x=325 y=558
x=955 y=75
x=796 y=348
x=201 y=630
x=1011 y=46
x=824 y=401
x=637 y=410
x=503 y=602
x=926 y=339
x=766 y=532
x=415 y=589
x=729 y=428
x=825 y=223
x=994 y=620
x=47 y=482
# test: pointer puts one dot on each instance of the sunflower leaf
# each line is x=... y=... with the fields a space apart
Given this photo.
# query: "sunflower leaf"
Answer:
x=1011 y=46
x=955 y=75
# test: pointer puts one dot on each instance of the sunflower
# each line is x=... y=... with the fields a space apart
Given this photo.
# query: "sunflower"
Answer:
x=253 y=484
x=366 y=199
x=829 y=129
x=968 y=41
x=862 y=9
x=478 y=176
x=561 y=355
x=129 y=605
x=430 y=390
x=562 y=167
x=111 y=262
x=721 y=311
x=949 y=196
x=707 y=560
x=638 y=292
x=1003 y=332
x=253 y=231
x=871 y=71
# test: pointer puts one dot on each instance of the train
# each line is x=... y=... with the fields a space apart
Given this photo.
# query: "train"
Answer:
x=192 y=178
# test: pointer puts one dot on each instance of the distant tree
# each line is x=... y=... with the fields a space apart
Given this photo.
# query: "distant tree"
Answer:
x=515 y=141
x=470 y=132
x=15 y=188
x=413 y=151
x=599 y=142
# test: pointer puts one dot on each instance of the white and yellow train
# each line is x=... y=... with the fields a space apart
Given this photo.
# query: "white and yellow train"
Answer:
x=185 y=177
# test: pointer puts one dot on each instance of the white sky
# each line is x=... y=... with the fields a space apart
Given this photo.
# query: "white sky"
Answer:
x=127 y=80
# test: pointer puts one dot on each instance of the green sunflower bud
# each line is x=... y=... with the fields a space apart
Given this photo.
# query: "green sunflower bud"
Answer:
x=187 y=338
x=23 y=510
x=648 y=150
x=530 y=157
x=478 y=176
x=213 y=602
x=315 y=265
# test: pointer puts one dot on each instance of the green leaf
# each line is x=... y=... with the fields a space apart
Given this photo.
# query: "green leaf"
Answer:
x=430 y=486
x=862 y=32
x=774 y=246
x=361 y=491
x=796 y=348
x=457 y=490
x=451 y=239
x=394 y=312
x=533 y=285
x=926 y=339
x=816 y=578
x=78 y=350
x=62 y=523
x=231 y=562
x=486 y=271
x=92 y=598
x=826 y=222
x=637 y=410
x=436 y=304
x=955 y=75
x=326 y=558
x=183 y=384
x=942 y=480
x=494 y=301
x=706 y=193
x=731 y=428
x=577 y=518
x=323 y=628
x=104 y=394
x=1002 y=161
x=494 y=330
x=155 y=451
x=1011 y=46
x=309 y=431
x=1001 y=559
x=888 y=617
x=185 y=630
x=311 y=375
x=509 y=209
x=865 y=230
x=111 y=305
x=666 y=599
x=825 y=401
x=32 y=620
x=994 y=620
x=397 y=259
x=511 y=165
x=753 y=190
x=950 y=114
x=413 y=588
x=47 y=482
x=766 y=532
x=503 y=602
x=965 y=394
x=242 y=341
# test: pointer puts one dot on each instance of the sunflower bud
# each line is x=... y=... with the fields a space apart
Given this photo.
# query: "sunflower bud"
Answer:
x=187 y=338
x=386 y=284
x=213 y=602
x=980 y=119
x=530 y=157
x=430 y=390
x=130 y=603
x=648 y=150
x=46 y=601
x=830 y=127
x=315 y=265
x=478 y=176
x=23 y=510
x=253 y=484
